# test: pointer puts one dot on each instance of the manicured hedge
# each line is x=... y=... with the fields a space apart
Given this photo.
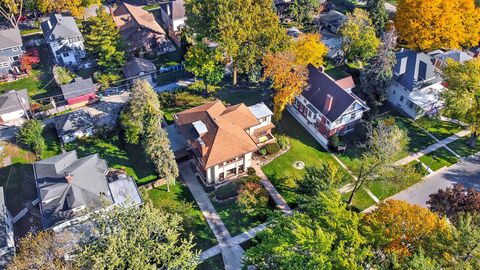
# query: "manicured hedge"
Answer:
x=272 y=148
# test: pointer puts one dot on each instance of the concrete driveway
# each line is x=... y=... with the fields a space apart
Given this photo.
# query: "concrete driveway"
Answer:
x=466 y=172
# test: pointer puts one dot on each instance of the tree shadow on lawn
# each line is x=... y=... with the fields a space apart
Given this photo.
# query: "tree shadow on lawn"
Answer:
x=19 y=186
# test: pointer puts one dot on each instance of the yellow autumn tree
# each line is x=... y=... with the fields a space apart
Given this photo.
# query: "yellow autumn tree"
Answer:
x=401 y=228
x=434 y=24
x=288 y=77
x=308 y=49
x=75 y=7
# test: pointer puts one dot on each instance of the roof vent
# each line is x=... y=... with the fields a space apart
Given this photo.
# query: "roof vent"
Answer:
x=200 y=127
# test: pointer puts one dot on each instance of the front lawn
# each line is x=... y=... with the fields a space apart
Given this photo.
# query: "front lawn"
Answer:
x=419 y=139
x=304 y=147
x=203 y=235
x=119 y=155
x=213 y=263
x=461 y=147
x=438 y=128
x=361 y=200
x=439 y=159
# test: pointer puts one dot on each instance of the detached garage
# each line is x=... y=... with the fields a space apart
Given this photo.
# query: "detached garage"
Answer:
x=13 y=105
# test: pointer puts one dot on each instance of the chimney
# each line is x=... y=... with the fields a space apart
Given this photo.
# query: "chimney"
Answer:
x=68 y=177
x=328 y=103
x=321 y=69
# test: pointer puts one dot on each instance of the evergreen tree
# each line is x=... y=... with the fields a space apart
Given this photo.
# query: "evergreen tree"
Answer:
x=31 y=135
x=378 y=14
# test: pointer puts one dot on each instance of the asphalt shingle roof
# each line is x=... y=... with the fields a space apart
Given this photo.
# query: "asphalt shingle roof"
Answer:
x=60 y=27
x=78 y=87
x=10 y=37
x=69 y=123
x=9 y=102
x=136 y=65
x=414 y=69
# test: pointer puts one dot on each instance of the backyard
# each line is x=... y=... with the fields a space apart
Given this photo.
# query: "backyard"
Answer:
x=281 y=171
x=160 y=197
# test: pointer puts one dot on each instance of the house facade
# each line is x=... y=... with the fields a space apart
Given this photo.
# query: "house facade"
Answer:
x=221 y=140
x=64 y=39
x=140 y=30
x=10 y=50
x=14 y=105
x=175 y=10
x=327 y=107
x=417 y=87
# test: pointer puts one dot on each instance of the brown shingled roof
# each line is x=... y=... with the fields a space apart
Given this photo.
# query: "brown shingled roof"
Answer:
x=126 y=12
x=226 y=137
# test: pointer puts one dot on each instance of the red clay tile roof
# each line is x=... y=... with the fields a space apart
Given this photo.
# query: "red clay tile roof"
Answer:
x=226 y=137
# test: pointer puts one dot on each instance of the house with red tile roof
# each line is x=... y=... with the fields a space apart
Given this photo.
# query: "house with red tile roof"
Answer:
x=221 y=140
x=327 y=106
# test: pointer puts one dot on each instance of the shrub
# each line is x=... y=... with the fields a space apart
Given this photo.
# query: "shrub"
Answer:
x=251 y=171
x=31 y=135
x=272 y=148
x=62 y=75
x=252 y=198
x=334 y=141
x=262 y=152
x=283 y=141
x=227 y=190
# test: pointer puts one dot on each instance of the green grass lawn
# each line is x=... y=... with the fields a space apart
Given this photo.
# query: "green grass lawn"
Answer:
x=52 y=143
x=419 y=139
x=439 y=159
x=248 y=94
x=203 y=235
x=303 y=148
x=213 y=263
x=37 y=83
x=439 y=129
x=361 y=200
x=460 y=147
x=118 y=155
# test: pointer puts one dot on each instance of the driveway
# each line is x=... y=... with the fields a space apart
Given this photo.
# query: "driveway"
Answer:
x=466 y=172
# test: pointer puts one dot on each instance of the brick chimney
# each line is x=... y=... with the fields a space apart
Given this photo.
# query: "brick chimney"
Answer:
x=68 y=177
x=328 y=103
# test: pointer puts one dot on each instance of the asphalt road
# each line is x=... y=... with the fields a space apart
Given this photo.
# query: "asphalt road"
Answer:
x=466 y=172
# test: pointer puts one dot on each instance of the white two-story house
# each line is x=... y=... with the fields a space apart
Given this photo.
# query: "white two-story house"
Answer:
x=417 y=87
x=62 y=35
x=221 y=140
x=10 y=50
x=327 y=107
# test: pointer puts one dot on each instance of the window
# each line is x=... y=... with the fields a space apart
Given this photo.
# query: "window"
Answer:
x=401 y=98
x=15 y=49
x=394 y=92
x=309 y=114
x=65 y=54
x=410 y=104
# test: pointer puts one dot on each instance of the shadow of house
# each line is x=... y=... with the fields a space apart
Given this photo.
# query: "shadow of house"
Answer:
x=7 y=243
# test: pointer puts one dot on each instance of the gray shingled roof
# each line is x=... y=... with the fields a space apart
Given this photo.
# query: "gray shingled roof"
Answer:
x=455 y=55
x=414 y=70
x=60 y=27
x=320 y=85
x=78 y=87
x=3 y=224
x=10 y=37
x=136 y=65
x=69 y=123
x=9 y=102
x=58 y=196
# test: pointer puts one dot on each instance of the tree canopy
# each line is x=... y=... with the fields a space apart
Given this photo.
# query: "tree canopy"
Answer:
x=462 y=96
x=205 y=63
x=303 y=11
x=454 y=201
x=75 y=7
x=435 y=24
x=245 y=30
x=309 y=50
x=11 y=10
x=378 y=14
x=30 y=134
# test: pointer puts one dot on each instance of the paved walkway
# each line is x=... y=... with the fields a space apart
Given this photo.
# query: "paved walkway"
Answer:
x=281 y=203
x=466 y=172
x=232 y=253
x=434 y=147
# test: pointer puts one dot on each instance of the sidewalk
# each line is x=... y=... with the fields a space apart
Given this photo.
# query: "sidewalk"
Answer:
x=433 y=147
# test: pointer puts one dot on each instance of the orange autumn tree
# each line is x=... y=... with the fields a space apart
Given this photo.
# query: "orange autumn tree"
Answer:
x=400 y=228
x=288 y=77
x=434 y=24
x=288 y=69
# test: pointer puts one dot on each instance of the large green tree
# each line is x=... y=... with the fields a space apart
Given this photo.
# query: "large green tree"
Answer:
x=141 y=121
x=462 y=96
x=359 y=40
x=377 y=76
x=319 y=179
x=102 y=39
x=137 y=238
x=245 y=30
x=325 y=236
x=206 y=63
x=378 y=14
x=30 y=134
x=303 y=11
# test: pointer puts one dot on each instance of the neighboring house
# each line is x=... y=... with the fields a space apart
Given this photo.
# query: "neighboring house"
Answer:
x=334 y=46
x=140 y=69
x=417 y=87
x=140 y=30
x=10 y=50
x=222 y=139
x=79 y=92
x=14 y=105
x=474 y=52
x=293 y=32
x=7 y=243
x=332 y=21
x=175 y=10
x=70 y=188
x=74 y=125
x=440 y=57
x=62 y=35
x=327 y=107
